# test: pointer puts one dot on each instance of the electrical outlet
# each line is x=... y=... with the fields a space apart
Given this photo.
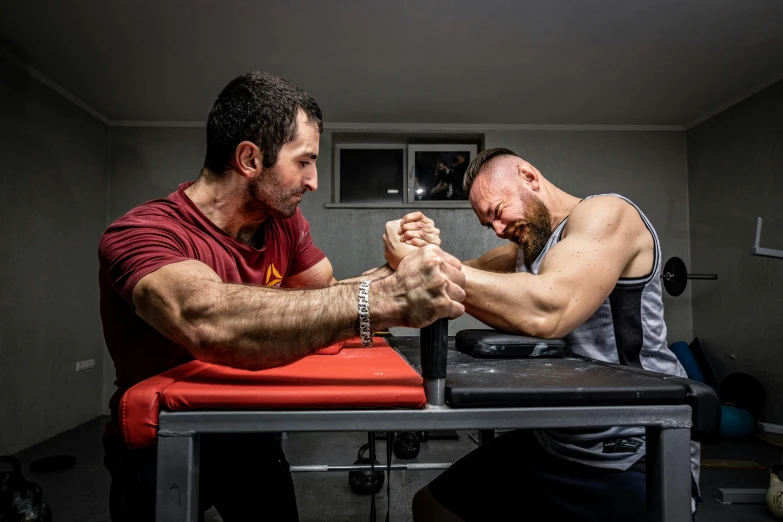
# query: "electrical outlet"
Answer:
x=85 y=365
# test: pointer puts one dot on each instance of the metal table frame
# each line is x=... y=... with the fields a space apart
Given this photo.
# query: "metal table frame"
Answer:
x=667 y=431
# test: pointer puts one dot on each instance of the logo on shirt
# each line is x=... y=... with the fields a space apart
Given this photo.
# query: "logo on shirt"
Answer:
x=273 y=277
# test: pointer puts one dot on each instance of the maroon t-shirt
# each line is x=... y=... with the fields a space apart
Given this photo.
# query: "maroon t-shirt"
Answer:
x=170 y=230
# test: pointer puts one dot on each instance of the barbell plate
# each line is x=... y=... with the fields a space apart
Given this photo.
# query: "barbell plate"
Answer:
x=675 y=276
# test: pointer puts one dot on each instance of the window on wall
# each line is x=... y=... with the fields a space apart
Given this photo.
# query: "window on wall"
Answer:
x=401 y=174
x=370 y=173
x=435 y=172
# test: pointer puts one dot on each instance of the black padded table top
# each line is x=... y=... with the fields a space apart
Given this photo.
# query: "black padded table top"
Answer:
x=567 y=381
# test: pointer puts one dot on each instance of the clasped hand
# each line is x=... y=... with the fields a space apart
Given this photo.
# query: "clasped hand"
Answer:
x=432 y=280
x=404 y=236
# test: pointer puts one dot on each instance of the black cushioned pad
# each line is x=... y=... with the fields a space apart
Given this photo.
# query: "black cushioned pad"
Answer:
x=568 y=381
x=488 y=344
x=702 y=399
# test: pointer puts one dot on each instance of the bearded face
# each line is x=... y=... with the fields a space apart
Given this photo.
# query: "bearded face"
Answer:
x=268 y=192
x=532 y=234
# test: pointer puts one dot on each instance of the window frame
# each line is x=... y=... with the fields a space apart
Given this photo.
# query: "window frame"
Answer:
x=408 y=150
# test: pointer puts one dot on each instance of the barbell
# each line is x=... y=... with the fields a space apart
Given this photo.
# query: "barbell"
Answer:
x=675 y=276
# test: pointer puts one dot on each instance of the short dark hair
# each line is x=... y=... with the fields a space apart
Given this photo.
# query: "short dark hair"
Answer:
x=479 y=161
x=257 y=107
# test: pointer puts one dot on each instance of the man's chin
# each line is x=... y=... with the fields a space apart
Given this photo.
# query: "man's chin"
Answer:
x=282 y=212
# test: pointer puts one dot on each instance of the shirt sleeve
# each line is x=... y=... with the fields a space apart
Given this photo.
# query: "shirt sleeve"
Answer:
x=306 y=254
x=131 y=248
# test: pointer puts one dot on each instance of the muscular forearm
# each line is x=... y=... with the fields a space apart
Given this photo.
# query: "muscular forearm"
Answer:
x=255 y=327
x=373 y=275
x=499 y=259
x=511 y=302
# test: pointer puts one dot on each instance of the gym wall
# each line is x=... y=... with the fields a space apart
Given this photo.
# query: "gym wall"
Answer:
x=53 y=211
x=735 y=166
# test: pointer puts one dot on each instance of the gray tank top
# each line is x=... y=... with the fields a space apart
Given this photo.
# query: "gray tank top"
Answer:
x=628 y=328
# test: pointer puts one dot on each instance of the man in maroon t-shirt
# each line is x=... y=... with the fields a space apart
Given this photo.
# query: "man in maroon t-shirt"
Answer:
x=224 y=270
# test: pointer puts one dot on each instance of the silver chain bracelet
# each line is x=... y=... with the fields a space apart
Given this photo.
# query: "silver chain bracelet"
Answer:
x=364 y=313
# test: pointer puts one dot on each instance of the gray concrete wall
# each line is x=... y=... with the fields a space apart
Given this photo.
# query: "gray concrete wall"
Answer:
x=53 y=211
x=649 y=167
x=735 y=164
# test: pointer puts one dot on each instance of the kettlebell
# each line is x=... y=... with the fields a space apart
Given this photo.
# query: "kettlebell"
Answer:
x=26 y=507
x=7 y=479
x=775 y=492
x=406 y=445
x=365 y=482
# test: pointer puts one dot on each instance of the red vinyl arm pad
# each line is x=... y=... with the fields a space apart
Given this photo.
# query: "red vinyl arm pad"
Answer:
x=376 y=377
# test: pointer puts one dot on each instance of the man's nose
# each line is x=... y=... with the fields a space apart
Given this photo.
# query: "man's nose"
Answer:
x=311 y=182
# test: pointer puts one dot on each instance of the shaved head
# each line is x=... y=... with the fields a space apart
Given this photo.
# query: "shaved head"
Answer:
x=502 y=165
x=483 y=159
x=502 y=190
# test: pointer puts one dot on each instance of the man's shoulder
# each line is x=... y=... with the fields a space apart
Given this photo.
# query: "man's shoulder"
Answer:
x=156 y=211
x=605 y=209
x=604 y=215
x=157 y=216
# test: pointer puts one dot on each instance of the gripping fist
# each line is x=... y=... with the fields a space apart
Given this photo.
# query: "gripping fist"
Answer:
x=430 y=283
x=418 y=230
x=394 y=250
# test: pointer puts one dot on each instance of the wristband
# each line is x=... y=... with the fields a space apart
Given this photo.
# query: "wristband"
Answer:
x=364 y=313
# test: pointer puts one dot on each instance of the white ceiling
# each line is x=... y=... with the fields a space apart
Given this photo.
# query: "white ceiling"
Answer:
x=582 y=62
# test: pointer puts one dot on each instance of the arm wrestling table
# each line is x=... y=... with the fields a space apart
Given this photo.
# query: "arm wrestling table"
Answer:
x=382 y=389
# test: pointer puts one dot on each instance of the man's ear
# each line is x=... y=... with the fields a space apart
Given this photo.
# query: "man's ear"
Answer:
x=529 y=175
x=248 y=159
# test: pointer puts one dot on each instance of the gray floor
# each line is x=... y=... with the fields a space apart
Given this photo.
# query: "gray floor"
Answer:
x=81 y=493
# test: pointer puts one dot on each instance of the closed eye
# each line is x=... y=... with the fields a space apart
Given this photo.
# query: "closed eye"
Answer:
x=304 y=163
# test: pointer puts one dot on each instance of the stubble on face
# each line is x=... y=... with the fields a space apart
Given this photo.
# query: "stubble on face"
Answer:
x=268 y=195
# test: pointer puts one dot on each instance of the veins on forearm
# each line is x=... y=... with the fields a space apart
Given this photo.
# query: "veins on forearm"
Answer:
x=258 y=328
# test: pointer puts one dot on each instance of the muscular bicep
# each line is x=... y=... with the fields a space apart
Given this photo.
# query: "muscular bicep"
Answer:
x=163 y=297
x=500 y=259
x=581 y=270
x=317 y=276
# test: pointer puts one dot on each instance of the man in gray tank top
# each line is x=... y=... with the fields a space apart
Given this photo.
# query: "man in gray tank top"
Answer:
x=583 y=269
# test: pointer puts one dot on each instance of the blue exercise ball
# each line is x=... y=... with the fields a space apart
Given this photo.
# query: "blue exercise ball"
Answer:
x=683 y=353
x=736 y=423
